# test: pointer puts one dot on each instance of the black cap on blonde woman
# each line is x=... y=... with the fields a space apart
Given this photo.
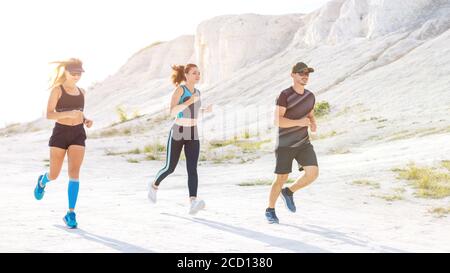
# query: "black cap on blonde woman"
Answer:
x=75 y=67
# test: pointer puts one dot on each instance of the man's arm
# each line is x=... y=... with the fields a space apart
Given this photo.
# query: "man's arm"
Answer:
x=313 y=121
x=282 y=122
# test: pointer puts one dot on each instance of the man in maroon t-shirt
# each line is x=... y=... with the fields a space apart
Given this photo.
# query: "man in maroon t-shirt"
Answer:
x=294 y=113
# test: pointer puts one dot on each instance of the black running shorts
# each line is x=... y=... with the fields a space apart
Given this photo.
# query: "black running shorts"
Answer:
x=64 y=136
x=304 y=155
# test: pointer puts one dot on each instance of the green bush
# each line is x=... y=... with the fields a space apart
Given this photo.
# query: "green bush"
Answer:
x=321 y=109
x=122 y=114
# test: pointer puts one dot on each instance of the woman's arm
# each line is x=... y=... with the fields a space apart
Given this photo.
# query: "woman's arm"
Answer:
x=86 y=121
x=207 y=109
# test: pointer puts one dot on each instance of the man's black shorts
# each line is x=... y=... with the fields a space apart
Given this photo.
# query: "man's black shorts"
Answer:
x=304 y=155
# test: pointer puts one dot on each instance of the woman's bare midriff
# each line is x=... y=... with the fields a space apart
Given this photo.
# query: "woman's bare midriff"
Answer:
x=70 y=121
x=186 y=122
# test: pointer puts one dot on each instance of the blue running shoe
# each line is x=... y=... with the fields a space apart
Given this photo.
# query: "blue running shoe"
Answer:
x=39 y=191
x=70 y=220
x=288 y=200
x=271 y=216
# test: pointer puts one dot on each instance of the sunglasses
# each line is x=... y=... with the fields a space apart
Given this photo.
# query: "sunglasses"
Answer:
x=75 y=74
x=303 y=74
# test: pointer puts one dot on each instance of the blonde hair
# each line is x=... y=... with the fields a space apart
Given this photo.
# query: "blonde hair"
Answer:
x=179 y=73
x=58 y=76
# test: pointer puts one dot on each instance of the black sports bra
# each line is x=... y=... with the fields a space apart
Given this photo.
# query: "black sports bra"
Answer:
x=69 y=103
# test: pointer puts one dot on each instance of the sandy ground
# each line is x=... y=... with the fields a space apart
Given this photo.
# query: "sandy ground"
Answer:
x=114 y=214
x=384 y=114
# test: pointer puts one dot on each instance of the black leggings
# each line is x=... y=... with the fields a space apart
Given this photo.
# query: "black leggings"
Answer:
x=179 y=137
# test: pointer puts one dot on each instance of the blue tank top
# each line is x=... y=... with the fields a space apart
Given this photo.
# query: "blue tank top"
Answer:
x=193 y=109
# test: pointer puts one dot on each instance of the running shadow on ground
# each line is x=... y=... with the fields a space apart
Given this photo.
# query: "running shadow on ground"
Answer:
x=109 y=242
x=275 y=241
x=344 y=238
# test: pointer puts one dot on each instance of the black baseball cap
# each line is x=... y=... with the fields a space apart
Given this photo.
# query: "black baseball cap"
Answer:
x=301 y=67
x=75 y=67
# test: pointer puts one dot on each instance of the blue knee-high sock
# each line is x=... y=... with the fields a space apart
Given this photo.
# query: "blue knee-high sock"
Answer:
x=45 y=179
x=74 y=186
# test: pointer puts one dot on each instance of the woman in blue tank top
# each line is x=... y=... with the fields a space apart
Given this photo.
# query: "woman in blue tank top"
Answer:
x=185 y=106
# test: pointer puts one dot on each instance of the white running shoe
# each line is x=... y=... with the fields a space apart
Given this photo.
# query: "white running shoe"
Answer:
x=196 y=206
x=152 y=194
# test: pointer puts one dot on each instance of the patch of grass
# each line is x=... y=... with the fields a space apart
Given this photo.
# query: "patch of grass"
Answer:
x=251 y=146
x=11 y=125
x=399 y=190
x=131 y=160
x=243 y=149
x=133 y=151
x=123 y=117
x=246 y=146
x=405 y=134
x=155 y=148
x=330 y=134
x=112 y=133
x=343 y=111
x=365 y=182
x=321 y=109
x=262 y=182
x=160 y=118
x=433 y=131
x=142 y=126
x=380 y=127
x=182 y=157
x=446 y=164
x=11 y=129
x=18 y=128
x=47 y=162
x=428 y=182
x=154 y=151
x=390 y=197
x=375 y=138
x=223 y=157
x=440 y=212
x=136 y=114
x=222 y=143
x=401 y=135
x=326 y=135
x=151 y=157
x=111 y=153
